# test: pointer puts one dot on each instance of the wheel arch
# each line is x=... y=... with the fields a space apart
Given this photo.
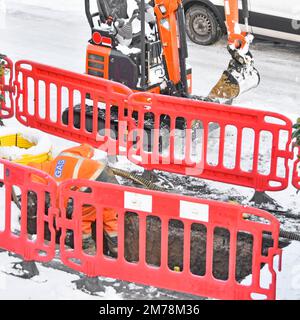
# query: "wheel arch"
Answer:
x=216 y=11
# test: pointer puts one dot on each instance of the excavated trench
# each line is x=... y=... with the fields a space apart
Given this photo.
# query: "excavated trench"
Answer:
x=198 y=247
x=198 y=244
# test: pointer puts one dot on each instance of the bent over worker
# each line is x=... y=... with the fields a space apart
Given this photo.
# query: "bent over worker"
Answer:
x=77 y=163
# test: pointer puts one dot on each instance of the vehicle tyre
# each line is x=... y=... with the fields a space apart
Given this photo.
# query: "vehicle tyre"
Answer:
x=202 y=25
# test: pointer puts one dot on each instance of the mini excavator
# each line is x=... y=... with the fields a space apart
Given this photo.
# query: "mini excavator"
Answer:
x=147 y=51
x=153 y=57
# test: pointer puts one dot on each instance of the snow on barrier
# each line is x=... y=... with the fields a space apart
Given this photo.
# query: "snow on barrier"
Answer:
x=14 y=223
x=234 y=145
x=6 y=90
x=44 y=93
x=165 y=240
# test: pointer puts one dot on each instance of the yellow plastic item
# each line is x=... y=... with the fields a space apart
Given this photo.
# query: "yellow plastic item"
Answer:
x=18 y=141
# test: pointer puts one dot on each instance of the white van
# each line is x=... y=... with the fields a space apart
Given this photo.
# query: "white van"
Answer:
x=274 y=19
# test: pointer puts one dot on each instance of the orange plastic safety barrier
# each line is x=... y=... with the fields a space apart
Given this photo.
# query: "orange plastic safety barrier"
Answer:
x=45 y=92
x=207 y=232
x=6 y=90
x=233 y=145
x=165 y=209
x=14 y=235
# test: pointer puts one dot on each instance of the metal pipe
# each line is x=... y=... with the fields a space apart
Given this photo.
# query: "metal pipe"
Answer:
x=183 y=50
x=143 y=44
x=88 y=13
x=246 y=13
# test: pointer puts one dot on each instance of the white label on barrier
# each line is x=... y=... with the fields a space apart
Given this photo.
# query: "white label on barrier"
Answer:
x=1 y=171
x=194 y=211
x=136 y=201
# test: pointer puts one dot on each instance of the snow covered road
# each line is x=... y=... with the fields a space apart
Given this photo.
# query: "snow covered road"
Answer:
x=59 y=38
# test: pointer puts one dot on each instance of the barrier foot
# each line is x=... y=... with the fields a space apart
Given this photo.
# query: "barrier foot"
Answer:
x=25 y=269
x=90 y=285
x=262 y=200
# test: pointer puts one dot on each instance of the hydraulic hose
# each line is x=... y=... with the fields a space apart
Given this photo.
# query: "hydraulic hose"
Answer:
x=289 y=235
x=134 y=177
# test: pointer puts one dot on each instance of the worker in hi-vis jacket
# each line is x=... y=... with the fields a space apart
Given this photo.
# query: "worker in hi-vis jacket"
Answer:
x=77 y=163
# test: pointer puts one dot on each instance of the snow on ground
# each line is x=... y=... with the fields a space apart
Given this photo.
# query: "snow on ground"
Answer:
x=50 y=284
x=288 y=285
x=56 y=33
x=288 y=281
x=74 y=6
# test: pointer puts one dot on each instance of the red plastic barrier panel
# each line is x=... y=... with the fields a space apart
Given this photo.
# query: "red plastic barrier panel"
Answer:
x=23 y=230
x=70 y=105
x=233 y=145
x=296 y=173
x=6 y=90
x=175 y=242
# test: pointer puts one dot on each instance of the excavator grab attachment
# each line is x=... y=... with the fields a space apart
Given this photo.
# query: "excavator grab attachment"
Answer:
x=241 y=75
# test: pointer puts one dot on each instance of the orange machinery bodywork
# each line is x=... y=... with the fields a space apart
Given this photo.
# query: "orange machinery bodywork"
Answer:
x=102 y=66
x=97 y=60
x=169 y=37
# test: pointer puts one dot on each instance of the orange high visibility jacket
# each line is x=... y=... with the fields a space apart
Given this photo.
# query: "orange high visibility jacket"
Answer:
x=76 y=163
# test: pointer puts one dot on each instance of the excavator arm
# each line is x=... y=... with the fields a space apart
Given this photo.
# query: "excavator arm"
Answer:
x=235 y=36
x=240 y=75
x=165 y=11
x=170 y=22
